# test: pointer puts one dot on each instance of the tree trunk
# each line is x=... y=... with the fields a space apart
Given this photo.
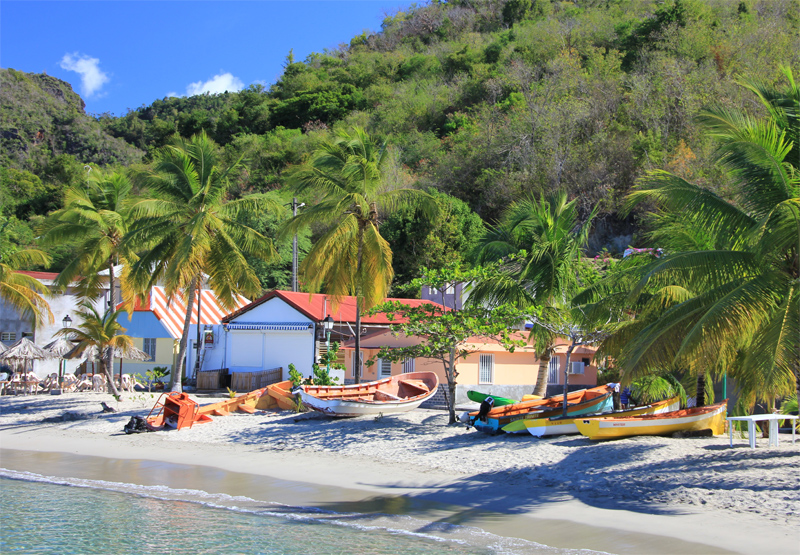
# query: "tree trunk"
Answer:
x=108 y=372
x=175 y=378
x=566 y=375
x=357 y=369
x=544 y=368
x=108 y=369
x=451 y=386
x=700 y=397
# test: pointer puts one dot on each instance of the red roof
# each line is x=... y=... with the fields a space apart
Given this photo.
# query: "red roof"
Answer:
x=40 y=275
x=317 y=306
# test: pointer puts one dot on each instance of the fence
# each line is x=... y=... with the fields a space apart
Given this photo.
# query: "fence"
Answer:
x=211 y=379
x=250 y=381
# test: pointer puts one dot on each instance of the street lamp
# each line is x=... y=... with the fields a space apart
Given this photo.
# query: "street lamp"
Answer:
x=327 y=323
x=66 y=321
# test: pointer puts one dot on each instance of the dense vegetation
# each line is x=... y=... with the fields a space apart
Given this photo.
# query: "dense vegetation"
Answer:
x=485 y=101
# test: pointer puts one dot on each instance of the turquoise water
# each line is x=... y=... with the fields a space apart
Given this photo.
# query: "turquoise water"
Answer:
x=56 y=515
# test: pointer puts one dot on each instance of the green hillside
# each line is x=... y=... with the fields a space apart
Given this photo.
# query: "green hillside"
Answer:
x=486 y=101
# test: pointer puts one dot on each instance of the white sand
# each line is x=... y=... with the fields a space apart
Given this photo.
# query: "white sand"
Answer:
x=699 y=490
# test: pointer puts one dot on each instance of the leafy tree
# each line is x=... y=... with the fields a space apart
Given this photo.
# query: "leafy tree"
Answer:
x=445 y=334
x=742 y=306
x=20 y=291
x=541 y=242
x=101 y=332
x=420 y=242
x=351 y=258
x=575 y=326
x=188 y=233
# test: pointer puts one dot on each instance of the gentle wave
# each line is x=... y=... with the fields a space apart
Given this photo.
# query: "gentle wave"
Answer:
x=392 y=524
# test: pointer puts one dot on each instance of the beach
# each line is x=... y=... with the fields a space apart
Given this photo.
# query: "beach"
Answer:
x=638 y=495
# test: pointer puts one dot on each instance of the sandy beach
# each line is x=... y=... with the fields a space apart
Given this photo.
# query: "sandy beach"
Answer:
x=639 y=495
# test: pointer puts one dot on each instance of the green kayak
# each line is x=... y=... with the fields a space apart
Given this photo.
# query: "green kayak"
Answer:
x=478 y=397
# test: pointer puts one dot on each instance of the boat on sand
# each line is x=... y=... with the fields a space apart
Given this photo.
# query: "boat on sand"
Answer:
x=478 y=397
x=695 y=419
x=584 y=401
x=399 y=393
x=539 y=426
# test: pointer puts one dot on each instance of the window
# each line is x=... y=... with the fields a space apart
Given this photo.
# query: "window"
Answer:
x=355 y=364
x=552 y=374
x=8 y=336
x=486 y=369
x=577 y=368
x=586 y=361
x=384 y=367
x=408 y=365
x=150 y=347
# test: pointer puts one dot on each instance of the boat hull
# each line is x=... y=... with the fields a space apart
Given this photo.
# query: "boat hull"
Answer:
x=386 y=396
x=540 y=427
x=599 y=400
x=688 y=420
x=478 y=397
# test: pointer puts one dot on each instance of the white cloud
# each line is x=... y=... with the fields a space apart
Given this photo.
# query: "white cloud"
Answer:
x=217 y=84
x=92 y=79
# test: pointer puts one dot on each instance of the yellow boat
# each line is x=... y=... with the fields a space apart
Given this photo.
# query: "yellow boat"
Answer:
x=711 y=418
x=553 y=426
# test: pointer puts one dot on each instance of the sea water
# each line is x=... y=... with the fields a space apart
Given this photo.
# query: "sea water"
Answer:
x=47 y=514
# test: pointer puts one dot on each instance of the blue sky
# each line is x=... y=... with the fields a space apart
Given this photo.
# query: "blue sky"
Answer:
x=120 y=55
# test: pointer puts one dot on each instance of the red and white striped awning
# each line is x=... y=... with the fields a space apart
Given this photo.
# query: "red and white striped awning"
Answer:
x=173 y=313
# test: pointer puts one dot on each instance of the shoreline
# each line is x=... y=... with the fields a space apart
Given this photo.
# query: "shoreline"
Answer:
x=355 y=476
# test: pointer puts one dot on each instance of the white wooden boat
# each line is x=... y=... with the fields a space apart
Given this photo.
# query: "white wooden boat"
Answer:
x=711 y=418
x=399 y=393
x=539 y=427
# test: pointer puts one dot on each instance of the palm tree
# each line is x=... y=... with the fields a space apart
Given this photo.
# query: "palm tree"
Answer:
x=103 y=333
x=96 y=216
x=188 y=232
x=743 y=306
x=22 y=292
x=351 y=258
x=541 y=243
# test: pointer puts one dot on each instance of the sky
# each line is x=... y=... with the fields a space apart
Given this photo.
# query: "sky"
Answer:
x=121 y=55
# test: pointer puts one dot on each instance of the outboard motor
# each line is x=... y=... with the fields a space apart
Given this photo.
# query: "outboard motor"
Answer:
x=486 y=406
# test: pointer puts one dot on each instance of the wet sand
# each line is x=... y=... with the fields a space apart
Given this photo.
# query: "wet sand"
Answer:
x=415 y=465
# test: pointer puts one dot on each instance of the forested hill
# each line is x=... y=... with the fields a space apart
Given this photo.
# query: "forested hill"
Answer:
x=41 y=118
x=484 y=100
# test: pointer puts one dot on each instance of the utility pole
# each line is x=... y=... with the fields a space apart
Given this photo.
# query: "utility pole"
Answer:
x=295 y=206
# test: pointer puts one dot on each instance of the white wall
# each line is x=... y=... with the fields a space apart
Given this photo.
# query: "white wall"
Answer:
x=60 y=306
x=254 y=350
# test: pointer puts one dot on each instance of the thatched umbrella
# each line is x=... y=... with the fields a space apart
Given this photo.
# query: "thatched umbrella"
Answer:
x=3 y=347
x=60 y=348
x=91 y=353
x=131 y=353
x=22 y=353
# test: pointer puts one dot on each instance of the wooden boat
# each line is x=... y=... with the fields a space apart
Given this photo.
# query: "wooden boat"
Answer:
x=399 y=393
x=711 y=418
x=538 y=426
x=584 y=401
